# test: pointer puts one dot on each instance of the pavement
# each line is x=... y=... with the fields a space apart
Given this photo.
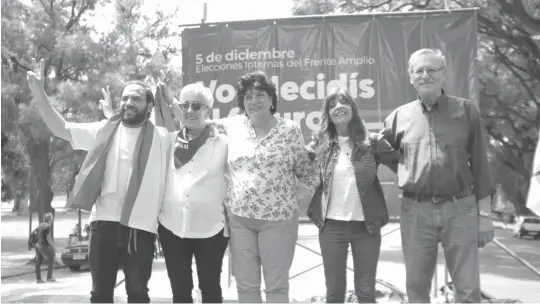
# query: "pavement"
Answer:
x=502 y=276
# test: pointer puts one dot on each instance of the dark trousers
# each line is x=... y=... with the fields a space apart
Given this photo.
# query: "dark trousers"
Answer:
x=111 y=245
x=208 y=254
x=334 y=239
x=44 y=252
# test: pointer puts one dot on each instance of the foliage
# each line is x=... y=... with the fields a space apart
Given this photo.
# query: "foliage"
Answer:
x=80 y=60
x=509 y=73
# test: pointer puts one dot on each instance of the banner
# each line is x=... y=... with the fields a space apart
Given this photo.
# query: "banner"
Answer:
x=367 y=54
x=306 y=56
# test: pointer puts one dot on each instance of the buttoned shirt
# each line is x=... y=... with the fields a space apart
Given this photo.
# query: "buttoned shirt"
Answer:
x=265 y=173
x=442 y=149
x=195 y=192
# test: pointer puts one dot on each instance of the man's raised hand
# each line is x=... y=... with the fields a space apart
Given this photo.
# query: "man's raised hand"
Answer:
x=36 y=78
x=105 y=104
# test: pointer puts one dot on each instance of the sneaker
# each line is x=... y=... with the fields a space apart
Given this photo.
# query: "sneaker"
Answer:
x=40 y=281
x=51 y=280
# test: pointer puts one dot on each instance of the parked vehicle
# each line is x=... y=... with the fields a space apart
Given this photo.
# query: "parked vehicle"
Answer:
x=75 y=255
x=527 y=226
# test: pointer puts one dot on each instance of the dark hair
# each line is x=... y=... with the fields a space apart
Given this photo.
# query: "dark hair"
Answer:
x=147 y=91
x=259 y=81
x=327 y=130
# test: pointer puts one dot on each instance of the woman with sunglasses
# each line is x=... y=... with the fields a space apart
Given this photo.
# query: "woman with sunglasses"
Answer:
x=192 y=220
x=350 y=207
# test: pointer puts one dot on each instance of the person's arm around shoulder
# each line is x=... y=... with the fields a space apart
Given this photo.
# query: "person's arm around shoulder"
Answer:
x=389 y=130
x=387 y=155
x=304 y=168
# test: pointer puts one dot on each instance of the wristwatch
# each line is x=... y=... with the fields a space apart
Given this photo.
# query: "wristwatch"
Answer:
x=484 y=214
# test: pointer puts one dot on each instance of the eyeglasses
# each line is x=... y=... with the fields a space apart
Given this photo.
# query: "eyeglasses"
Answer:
x=195 y=106
x=430 y=72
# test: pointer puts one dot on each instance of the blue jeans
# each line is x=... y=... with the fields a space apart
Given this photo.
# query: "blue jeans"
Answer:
x=111 y=245
x=454 y=224
x=334 y=239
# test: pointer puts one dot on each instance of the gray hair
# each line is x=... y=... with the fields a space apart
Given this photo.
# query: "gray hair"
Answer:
x=198 y=89
x=419 y=53
x=48 y=217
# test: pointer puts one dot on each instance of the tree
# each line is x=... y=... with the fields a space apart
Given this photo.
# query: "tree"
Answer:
x=79 y=61
x=508 y=48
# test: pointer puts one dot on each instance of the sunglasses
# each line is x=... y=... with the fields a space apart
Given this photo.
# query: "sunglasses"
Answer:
x=195 y=106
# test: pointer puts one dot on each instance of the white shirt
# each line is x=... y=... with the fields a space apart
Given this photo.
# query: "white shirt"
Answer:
x=345 y=204
x=109 y=205
x=195 y=193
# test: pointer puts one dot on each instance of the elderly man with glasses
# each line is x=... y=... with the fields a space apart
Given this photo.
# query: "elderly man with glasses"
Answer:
x=443 y=171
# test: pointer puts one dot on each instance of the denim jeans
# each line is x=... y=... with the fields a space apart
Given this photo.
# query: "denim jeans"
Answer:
x=256 y=243
x=454 y=224
x=111 y=245
x=208 y=254
x=334 y=239
x=44 y=252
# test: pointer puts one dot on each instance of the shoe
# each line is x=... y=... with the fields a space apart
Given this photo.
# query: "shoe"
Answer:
x=51 y=280
x=40 y=281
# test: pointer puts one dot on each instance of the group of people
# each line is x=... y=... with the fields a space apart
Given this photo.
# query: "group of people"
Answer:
x=202 y=185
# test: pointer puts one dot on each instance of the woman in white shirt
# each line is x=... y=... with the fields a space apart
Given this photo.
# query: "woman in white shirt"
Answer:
x=192 y=220
x=349 y=208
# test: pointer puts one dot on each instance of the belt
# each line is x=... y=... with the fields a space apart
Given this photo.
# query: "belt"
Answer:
x=439 y=198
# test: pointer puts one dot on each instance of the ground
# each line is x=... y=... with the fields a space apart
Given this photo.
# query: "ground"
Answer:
x=502 y=275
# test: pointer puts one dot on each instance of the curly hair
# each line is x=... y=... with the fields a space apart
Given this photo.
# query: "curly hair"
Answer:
x=259 y=81
x=327 y=130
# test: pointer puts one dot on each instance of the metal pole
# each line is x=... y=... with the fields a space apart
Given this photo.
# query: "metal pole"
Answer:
x=515 y=256
x=445 y=290
x=435 y=281
x=80 y=229
x=421 y=13
x=205 y=10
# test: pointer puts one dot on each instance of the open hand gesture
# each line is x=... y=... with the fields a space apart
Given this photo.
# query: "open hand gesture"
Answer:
x=36 y=78
x=105 y=104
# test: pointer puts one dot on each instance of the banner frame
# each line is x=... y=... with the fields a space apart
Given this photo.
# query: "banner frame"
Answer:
x=376 y=14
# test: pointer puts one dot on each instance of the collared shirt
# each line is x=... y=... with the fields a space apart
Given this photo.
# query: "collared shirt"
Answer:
x=442 y=150
x=195 y=193
x=265 y=173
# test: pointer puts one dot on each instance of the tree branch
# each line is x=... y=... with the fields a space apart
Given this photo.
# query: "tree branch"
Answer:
x=8 y=56
x=509 y=64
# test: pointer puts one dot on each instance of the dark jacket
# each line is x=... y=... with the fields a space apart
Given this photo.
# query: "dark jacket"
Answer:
x=365 y=162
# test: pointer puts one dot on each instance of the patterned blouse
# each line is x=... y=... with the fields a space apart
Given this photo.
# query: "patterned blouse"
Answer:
x=265 y=173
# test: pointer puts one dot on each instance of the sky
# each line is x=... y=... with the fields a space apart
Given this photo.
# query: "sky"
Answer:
x=191 y=11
